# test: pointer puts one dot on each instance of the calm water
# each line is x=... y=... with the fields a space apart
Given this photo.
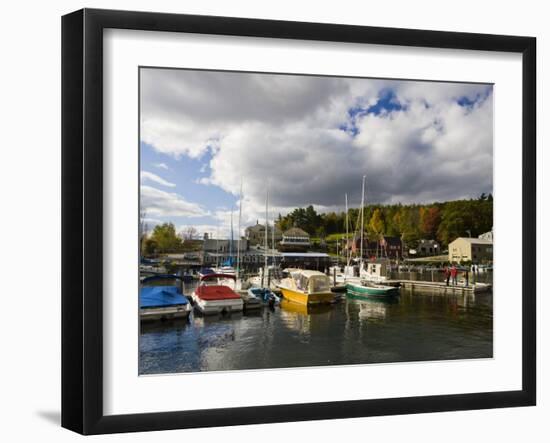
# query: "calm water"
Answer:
x=411 y=328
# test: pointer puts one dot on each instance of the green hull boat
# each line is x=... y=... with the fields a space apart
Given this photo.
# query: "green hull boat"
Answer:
x=370 y=290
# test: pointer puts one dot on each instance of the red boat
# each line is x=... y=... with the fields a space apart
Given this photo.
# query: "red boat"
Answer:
x=216 y=295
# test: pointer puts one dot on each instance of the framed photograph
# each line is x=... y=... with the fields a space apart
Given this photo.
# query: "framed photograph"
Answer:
x=269 y=221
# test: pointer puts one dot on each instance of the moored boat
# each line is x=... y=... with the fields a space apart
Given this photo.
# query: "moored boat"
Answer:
x=214 y=297
x=369 y=289
x=162 y=303
x=307 y=287
x=205 y=271
x=265 y=295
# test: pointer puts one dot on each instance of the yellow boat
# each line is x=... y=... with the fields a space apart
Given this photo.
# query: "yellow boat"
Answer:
x=306 y=287
x=295 y=308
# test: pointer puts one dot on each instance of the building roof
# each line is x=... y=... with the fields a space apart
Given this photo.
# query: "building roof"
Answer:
x=477 y=241
x=295 y=232
x=431 y=242
x=260 y=227
x=256 y=226
x=305 y=254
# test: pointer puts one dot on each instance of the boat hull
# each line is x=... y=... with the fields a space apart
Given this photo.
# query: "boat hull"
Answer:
x=303 y=298
x=213 y=307
x=360 y=291
x=165 y=313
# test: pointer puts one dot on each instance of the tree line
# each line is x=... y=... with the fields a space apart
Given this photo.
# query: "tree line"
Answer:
x=442 y=221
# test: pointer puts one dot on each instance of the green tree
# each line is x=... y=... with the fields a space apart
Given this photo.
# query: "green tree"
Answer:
x=165 y=238
x=376 y=223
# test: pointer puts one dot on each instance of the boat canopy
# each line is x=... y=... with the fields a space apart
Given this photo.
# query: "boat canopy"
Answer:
x=217 y=292
x=311 y=281
x=160 y=296
x=319 y=283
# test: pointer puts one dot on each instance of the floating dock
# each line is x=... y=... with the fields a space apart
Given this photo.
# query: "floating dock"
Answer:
x=440 y=286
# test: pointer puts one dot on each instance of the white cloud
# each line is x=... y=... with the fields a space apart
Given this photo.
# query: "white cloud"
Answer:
x=156 y=202
x=285 y=131
x=162 y=166
x=149 y=176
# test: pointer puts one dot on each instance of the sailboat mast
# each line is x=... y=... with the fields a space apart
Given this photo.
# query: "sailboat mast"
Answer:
x=264 y=276
x=362 y=220
x=266 y=223
x=217 y=246
x=239 y=231
x=231 y=241
x=273 y=241
x=347 y=233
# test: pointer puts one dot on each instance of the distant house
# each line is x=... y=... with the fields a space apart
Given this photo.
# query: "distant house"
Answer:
x=218 y=251
x=386 y=246
x=306 y=260
x=476 y=250
x=212 y=245
x=295 y=240
x=391 y=247
x=256 y=234
x=428 y=248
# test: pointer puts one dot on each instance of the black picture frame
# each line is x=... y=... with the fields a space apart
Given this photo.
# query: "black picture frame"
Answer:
x=82 y=218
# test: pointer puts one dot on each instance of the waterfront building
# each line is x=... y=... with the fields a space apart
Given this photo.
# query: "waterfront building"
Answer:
x=294 y=240
x=386 y=246
x=212 y=245
x=391 y=247
x=256 y=234
x=318 y=261
x=428 y=248
x=476 y=250
x=487 y=236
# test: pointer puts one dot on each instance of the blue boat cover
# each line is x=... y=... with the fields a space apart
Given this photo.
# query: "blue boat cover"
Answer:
x=160 y=296
x=206 y=271
x=160 y=277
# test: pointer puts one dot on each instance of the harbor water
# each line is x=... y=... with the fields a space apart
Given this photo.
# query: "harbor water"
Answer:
x=414 y=326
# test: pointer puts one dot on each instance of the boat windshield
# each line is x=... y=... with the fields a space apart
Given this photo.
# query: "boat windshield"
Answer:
x=319 y=283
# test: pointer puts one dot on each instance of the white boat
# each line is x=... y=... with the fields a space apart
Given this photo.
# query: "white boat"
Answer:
x=215 y=296
x=376 y=272
x=226 y=270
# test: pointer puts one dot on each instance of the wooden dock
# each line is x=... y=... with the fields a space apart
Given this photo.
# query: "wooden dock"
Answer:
x=440 y=286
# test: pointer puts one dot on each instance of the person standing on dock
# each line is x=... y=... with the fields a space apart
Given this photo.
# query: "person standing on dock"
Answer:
x=447 y=274
x=454 y=273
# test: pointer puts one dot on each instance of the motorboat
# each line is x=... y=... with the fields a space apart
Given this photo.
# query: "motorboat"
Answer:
x=214 y=295
x=162 y=303
x=307 y=287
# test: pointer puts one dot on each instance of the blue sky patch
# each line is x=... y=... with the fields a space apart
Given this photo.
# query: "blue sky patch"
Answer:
x=387 y=102
x=185 y=173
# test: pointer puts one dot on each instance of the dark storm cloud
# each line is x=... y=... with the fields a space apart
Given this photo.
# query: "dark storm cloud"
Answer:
x=433 y=143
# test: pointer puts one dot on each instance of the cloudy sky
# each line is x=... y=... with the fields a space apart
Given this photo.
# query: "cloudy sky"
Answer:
x=309 y=140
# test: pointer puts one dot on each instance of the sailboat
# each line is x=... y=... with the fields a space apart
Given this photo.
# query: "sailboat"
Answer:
x=347 y=275
x=270 y=275
x=262 y=284
x=227 y=266
x=364 y=288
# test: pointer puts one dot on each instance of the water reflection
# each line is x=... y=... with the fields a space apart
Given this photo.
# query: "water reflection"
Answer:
x=410 y=327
